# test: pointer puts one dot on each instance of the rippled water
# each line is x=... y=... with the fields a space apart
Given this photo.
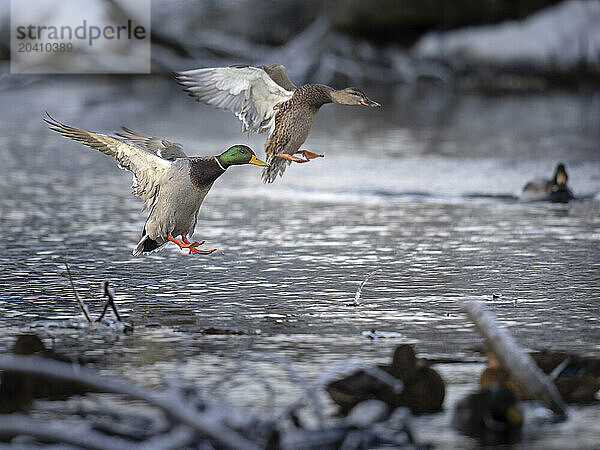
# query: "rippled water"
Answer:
x=423 y=189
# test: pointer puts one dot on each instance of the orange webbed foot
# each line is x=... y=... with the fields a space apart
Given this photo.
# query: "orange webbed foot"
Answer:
x=184 y=243
x=195 y=251
x=310 y=155
x=191 y=244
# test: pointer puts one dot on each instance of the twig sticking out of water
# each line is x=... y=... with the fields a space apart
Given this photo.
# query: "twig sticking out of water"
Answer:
x=359 y=290
x=86 y=313
x=108 y=292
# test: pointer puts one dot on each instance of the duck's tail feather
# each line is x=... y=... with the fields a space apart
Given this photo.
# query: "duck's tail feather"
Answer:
x=275 y=168
x=147 y=245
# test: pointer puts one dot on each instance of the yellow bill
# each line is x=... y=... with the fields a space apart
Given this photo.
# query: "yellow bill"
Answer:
x=257 y=162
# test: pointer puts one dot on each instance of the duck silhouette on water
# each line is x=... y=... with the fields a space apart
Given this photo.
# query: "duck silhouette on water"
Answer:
x=492 y=415
x=18 y=390
x=423 y=391
x=554 y=190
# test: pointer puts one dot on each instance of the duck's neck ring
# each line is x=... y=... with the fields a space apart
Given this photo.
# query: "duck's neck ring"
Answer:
x=219 y=163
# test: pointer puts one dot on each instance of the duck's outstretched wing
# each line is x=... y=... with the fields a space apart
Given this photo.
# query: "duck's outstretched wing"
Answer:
x=146 y=167
x=249 y=92
x=161 y=147
x=278 y=74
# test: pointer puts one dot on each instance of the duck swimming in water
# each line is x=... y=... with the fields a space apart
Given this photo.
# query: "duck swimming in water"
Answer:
x=171 y=184
x=554 y=190
x=264 y=99
x=492 y=415
x=423 y=391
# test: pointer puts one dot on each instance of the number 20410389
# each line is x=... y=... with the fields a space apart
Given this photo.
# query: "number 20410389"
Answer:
x=48 y=47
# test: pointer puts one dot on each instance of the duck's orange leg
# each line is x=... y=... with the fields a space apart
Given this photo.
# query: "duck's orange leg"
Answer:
x=307 y=156
x=292 y=158
x=184 y=243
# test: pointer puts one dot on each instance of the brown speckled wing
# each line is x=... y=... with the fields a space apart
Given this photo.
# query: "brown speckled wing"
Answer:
x=277 y=143
x=280 y=136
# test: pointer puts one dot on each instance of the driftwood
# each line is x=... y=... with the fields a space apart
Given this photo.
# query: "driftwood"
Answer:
x=184 y=418
x=170 y=402
x=16 y=424
x=514 y=359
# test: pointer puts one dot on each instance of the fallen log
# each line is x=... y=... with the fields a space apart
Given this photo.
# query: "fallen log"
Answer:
x=514 y=359
x=169 y=402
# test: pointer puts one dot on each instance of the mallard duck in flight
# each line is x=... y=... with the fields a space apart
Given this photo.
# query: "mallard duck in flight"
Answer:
x=171 y=184
x=264 y=99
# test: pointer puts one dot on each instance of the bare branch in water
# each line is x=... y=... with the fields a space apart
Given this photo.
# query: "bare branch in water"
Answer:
x=359 y=290
x=83 y=437
x=191 y=420
x=86 y=313
x=173 y=404
x=513 y=358
x=108 y=292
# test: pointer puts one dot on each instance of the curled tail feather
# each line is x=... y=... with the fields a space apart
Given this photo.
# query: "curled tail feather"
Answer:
x=276 y=168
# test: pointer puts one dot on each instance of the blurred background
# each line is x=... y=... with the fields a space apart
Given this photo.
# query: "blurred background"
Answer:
x=492 y=44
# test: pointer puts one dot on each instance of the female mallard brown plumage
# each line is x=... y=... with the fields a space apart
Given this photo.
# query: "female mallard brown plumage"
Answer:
x=554 y=190
x=171 y=184
x=264 y=99
x=423 y=391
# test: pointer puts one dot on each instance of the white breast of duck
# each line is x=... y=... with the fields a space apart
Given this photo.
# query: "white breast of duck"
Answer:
x=182 y=191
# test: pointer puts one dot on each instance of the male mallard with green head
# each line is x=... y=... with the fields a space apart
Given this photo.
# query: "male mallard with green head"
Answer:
x=171 y=184
x=264 y=99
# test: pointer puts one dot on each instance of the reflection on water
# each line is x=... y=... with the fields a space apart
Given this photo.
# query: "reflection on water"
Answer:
x=404 y=191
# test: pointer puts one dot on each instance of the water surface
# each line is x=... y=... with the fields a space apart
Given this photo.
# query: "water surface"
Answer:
x=424 y=189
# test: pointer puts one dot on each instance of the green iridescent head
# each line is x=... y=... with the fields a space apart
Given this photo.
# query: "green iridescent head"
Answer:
x=239 y=154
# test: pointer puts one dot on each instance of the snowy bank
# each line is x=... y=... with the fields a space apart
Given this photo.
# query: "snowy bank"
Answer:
x=557 y=39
